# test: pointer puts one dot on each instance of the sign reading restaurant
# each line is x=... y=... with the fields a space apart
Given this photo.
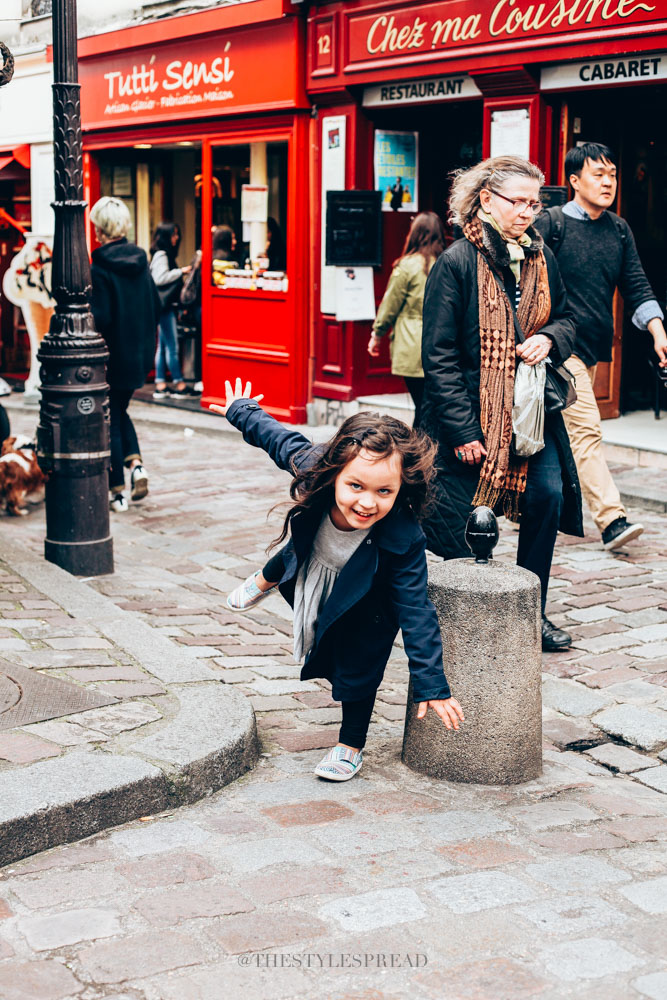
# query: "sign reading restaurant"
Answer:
x=434 y=27
x=436 y=88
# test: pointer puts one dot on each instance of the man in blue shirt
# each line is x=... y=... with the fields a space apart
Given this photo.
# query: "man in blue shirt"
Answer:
x=596 y=255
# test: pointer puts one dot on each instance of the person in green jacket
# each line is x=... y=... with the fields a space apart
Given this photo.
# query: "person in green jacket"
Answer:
x=401 y=306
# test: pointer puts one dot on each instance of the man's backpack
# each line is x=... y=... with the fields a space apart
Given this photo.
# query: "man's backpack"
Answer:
x=556 y=234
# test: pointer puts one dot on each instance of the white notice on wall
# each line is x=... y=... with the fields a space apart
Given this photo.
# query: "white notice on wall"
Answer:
x=510 y=133
x=355 y=299
x=333 y=179
x=254 y=202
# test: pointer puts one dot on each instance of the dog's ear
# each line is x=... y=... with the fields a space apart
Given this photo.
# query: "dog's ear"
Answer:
x=8 y=445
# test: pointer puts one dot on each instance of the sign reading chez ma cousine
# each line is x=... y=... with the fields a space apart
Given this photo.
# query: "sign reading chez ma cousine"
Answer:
x=190 y=78
x=453 y=24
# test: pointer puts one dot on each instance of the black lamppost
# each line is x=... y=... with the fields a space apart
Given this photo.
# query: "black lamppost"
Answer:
x=73 y=432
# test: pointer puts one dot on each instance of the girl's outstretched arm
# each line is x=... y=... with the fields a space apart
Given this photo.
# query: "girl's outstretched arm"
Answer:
x=242 y=410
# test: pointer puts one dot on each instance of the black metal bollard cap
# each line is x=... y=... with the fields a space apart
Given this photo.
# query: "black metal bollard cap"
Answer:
x=482 y=533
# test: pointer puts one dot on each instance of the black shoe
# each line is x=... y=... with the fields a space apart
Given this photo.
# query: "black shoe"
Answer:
x=619 y=532
x=554 y=639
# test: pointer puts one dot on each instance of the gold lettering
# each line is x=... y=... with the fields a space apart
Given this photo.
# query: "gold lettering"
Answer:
x=495 y=13
x=443 y=29
x=378 y=23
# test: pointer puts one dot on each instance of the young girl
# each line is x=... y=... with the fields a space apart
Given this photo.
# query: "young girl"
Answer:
x=354 y=569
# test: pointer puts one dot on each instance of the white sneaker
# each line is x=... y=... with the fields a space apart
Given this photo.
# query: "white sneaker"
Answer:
x=139 y=482
x=118 y=503
x=340 y=764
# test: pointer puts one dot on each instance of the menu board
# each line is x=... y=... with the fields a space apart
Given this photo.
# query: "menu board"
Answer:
x=353 y=229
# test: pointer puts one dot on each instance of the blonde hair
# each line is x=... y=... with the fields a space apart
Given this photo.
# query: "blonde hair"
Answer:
x=112 y=217
x=466 y=184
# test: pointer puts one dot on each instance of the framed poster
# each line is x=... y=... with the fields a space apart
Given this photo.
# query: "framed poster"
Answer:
x=353 y=229
x=553 y=194
x=254 y=202
x=396 y=161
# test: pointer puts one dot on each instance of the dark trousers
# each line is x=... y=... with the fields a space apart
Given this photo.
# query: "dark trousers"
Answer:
x=415 y=387
x=356 y=720
x=124 y=444
x=540 y=512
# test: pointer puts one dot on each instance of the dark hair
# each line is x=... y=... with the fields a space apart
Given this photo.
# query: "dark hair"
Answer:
x=313 y=488
x=222 y=242
x=162 y=241
x=426 y=236
x=575 y=160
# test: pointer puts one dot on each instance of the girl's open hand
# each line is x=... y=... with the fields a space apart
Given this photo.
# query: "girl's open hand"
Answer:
x=448 y=709
x=238 y=392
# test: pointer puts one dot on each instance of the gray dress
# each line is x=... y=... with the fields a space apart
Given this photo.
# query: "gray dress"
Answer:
x=332 y=548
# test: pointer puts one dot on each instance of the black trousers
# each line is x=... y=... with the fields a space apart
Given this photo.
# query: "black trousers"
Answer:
x=540 y=512
x=274 y=568
x=415 y=387
x=124 y=443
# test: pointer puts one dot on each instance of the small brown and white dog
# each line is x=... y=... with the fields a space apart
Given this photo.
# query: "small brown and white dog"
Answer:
x=21 y=478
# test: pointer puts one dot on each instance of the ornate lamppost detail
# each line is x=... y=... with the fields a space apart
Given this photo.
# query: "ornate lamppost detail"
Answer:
x=73 y=432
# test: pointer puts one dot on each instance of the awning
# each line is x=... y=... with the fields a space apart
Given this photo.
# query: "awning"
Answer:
x=20 y=155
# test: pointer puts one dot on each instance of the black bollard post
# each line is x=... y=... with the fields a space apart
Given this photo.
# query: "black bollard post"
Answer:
x=73 y=432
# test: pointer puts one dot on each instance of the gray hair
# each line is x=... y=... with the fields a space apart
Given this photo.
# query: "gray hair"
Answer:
x=466 y=184
x=112 y=217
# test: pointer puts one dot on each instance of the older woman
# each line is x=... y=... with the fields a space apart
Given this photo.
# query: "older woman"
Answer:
x=498 y=270
x=125 y=307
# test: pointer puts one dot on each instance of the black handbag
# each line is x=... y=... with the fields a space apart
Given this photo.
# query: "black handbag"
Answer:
x=170 y=293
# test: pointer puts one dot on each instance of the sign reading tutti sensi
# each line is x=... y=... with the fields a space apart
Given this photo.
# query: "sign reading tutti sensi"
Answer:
x=436 y=88
x=637 y=68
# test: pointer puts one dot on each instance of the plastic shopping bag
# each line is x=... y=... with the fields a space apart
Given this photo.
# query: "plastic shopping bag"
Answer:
x=528 y=409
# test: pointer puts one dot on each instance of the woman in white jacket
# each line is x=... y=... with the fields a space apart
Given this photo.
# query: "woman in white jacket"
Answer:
x=166 y=273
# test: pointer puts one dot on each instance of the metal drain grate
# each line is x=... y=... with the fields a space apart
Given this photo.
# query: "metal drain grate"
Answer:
x=27 y=696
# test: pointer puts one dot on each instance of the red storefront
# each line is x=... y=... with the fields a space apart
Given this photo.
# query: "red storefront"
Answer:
x=202 y=119
x=470 y=79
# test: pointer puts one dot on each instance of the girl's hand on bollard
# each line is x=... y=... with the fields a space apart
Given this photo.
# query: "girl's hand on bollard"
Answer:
x=448 y=709
x=238 y=392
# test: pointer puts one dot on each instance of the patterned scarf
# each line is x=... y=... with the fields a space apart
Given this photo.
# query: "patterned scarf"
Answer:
x=502 y=478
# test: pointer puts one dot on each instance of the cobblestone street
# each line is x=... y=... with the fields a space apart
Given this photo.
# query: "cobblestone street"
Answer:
x=282 y=886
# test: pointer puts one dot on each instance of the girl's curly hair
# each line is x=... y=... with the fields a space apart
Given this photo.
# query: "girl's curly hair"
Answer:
x=313 y=487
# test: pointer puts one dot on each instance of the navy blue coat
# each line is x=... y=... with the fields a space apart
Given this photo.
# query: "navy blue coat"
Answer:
x=380 y=589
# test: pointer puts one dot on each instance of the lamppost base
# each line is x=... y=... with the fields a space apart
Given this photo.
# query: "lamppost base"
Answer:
x=81 y=558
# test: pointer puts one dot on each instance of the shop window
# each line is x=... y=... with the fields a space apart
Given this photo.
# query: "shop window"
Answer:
x=250 y=216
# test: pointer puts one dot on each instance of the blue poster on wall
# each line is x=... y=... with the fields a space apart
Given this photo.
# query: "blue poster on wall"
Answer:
x=396 y=170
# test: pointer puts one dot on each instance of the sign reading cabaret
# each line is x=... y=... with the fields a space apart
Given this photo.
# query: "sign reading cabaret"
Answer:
x=434 y=27
x=205 y=76
x=601 y=72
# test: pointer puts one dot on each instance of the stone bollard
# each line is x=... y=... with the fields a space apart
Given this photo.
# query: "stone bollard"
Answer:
x=490 y=623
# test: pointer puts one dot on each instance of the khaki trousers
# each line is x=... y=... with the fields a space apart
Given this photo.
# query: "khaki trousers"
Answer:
x=582 y=420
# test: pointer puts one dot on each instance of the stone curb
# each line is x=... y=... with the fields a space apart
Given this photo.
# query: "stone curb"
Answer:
x=209 y=741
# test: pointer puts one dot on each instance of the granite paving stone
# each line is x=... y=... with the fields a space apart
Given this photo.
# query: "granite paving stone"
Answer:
x=619 y=758
x=571 y=915
x=641 y=727
x=654 y=778
x=69 y=927
x=590 y=958
x=369 y=910
x=653 y=986
x=480 y=891
x=567 y=874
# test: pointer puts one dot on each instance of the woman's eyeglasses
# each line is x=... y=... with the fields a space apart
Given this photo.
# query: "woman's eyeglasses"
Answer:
x=520 y=204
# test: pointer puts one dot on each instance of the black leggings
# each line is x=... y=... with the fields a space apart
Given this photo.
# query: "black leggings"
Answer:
x=274 y=569
x=356 y=714
x=356 y=720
